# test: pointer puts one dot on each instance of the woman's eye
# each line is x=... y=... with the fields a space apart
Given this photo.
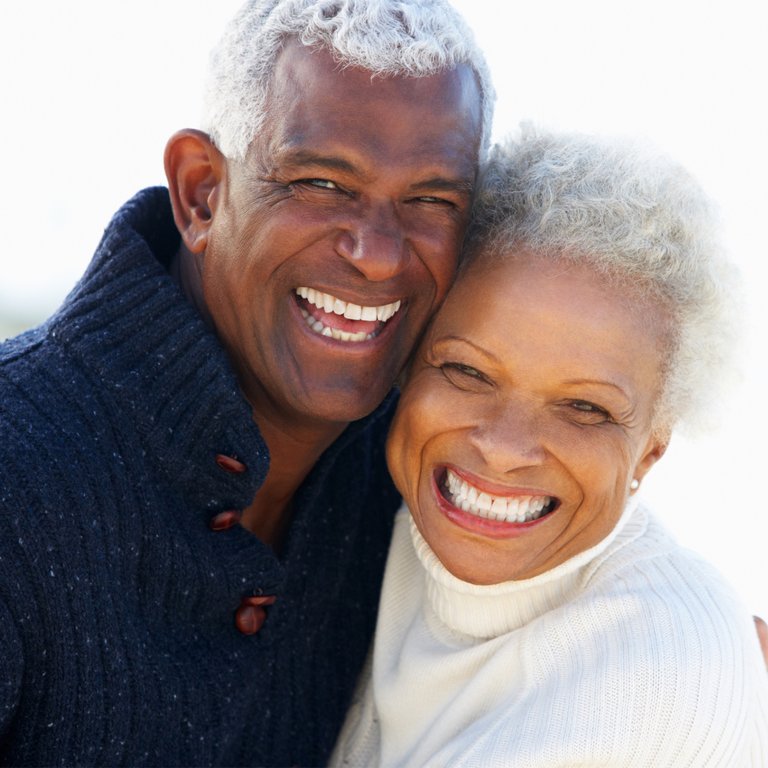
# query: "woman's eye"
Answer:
x=459 y=373
x=590 y=409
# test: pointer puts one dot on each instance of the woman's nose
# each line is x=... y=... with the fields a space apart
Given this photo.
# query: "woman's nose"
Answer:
x=509 y=437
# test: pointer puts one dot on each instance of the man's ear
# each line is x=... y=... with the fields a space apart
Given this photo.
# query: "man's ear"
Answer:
x=195 y=170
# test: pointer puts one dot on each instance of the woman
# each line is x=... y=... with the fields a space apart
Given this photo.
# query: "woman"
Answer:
x=534 y=613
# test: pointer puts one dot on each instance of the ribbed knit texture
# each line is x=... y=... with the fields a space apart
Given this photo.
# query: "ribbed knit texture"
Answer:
x=117 y=637
x=633 y=654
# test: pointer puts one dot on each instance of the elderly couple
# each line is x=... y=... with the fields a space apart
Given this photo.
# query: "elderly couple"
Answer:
x=200 y=532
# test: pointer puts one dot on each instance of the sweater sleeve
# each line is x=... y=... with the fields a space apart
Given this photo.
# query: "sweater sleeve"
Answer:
x=11 y=669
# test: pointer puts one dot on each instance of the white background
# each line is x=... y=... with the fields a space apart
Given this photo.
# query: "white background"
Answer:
x=90 y=91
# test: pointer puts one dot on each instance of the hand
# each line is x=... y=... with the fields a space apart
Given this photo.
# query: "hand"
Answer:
x=762 y=634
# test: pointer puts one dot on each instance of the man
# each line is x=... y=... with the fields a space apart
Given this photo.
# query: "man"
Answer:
x=195 y=504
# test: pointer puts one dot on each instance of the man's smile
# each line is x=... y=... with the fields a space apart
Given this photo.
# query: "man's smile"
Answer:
x=341 y=320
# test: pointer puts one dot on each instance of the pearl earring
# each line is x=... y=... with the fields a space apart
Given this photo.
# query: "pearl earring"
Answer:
x=634 y=485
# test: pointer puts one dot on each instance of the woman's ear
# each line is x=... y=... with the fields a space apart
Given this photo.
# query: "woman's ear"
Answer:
x=654 y=450
x=195 y=170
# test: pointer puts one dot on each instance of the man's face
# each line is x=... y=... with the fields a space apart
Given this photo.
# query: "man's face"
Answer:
x=337 y=237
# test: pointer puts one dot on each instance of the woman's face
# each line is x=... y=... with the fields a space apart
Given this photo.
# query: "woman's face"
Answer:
x=526 y=415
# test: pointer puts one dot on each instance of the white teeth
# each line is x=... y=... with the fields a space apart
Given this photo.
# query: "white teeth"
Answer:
x=334 y=333
x=484 y=502
x=504 y=508
x=384 y=313
x=351 y=311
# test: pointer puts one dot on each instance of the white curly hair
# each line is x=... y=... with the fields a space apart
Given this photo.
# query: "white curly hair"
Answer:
x=644 y=225
x=414 y=38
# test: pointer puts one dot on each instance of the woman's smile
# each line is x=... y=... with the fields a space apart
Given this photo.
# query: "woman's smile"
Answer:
x=486 y=509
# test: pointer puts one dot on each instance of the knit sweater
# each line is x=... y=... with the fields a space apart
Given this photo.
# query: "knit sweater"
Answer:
x=117 y=599
x=633 y=653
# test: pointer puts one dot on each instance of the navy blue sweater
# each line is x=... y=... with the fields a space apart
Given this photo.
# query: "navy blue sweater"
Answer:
x=118 y=644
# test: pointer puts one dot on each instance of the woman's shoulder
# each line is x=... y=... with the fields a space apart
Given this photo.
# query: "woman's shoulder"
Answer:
x=659 y=636
x=647 y=560
x=648 y=583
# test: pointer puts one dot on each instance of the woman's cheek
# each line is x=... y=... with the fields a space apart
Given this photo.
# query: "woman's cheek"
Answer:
x=410 y=433
x=396 y=452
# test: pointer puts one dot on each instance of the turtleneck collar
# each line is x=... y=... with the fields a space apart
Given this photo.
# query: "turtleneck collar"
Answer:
x=482 y=612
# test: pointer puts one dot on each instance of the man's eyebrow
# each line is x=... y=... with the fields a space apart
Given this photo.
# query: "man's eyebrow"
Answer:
x=332 y=163
x=442 y=184
x=303 y=157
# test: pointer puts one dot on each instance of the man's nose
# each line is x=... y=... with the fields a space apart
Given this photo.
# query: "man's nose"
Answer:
x=374 y=243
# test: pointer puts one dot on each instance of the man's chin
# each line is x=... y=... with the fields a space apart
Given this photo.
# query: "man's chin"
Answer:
x=345 y=407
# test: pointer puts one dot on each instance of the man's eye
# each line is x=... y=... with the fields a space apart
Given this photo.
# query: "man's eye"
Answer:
x=321 y=183
x=433 y=200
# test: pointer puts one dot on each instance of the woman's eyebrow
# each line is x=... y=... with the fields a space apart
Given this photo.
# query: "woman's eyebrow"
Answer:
x=453 y=338
x=615 y=386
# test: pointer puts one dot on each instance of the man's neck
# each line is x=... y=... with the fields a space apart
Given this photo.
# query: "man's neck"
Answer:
x=292 y=456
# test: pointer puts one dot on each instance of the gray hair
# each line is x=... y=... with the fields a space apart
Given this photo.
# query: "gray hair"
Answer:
x=642 y=223
x=414 y=38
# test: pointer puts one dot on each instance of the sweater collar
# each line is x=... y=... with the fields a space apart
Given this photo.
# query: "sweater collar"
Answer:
x=128 y=321
x=485 y=611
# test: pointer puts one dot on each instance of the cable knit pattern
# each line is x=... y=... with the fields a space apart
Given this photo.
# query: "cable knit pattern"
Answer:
x=634 y=653
x=117 y=600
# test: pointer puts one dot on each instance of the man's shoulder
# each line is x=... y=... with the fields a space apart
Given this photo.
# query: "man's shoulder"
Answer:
x=39 y=385
x=22 y=346
x=25 y=362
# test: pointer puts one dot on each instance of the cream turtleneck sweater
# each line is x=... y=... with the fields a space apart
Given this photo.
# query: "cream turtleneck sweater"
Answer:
x=633 y=653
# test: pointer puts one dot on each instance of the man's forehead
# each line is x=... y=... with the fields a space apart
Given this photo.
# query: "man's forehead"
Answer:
x=315 y=103
x=301 y=65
